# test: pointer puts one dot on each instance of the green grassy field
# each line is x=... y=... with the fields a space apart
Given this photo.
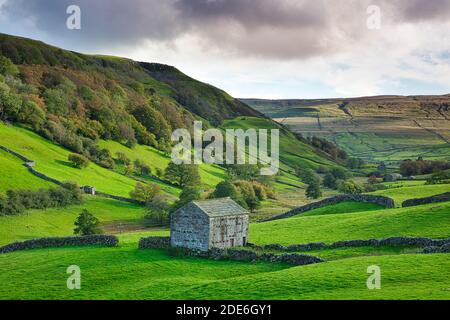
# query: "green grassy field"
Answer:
x=211 y=175
x=427 y=221
x=343 y=207
x=59 y=221
x=128 y=273
x=410 y=192
x=52 y=161
x=14 y=175
x=403 y=277
x=292 y=152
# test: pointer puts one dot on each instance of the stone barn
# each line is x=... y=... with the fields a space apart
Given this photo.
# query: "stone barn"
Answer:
x=392 y=177
x=202 y=225
x=89 y=190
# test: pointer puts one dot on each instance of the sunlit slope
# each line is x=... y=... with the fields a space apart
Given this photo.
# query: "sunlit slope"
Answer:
x=60 y=221
x=52 y=160
x=14 y=175
x=421 y=221
x=129 y=273
x=293 y=152
x=211 y=175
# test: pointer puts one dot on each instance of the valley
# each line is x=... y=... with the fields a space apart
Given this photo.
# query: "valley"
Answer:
x=385 y=128
x=105 y=123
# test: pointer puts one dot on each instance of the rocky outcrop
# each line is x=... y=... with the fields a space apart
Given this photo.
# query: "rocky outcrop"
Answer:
x=444 y=197
x=383 y=201
x=92 y=240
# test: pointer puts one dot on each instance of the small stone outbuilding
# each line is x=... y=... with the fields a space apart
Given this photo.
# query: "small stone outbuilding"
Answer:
x=89 y=190
x=392 y=177
x=207 y=224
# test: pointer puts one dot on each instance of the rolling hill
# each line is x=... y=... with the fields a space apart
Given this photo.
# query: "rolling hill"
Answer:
x=384 y=128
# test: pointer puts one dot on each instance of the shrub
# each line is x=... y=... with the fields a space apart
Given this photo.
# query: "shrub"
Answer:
x=121 y=158
x=313 y=191
x=79 y=160
x=104 y=159
x=7 y=67
x=248 y=194
x=260 y=191
x=141 y=168
x=145 y=192
x=439 y=177
x=351 y=187
x=31 y=114
x=87 y=224
x=157 y=212
x=17 y=201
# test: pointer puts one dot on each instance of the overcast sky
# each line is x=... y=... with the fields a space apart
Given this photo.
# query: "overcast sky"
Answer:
x=261 y=48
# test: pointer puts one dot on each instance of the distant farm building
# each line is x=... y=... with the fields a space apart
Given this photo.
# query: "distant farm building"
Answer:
x=89 y=190
x=392 y=177
x=216 y=223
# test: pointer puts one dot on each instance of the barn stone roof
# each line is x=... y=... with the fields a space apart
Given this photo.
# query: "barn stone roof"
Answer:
x=220 y=207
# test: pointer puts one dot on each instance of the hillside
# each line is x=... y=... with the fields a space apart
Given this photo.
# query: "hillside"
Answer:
x=385 y=128
x=75 y=99
x=89 y=103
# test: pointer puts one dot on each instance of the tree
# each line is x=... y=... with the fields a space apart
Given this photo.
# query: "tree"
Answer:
x=87 y=224
x=247 y=191
x=329 y=181
x=309 y=176
x=339 y=173
x=351 y=187
x=242 y=171
x=7 y=67
x=355 y=163
x=157 y=211
x=183 y=174
x=439 y=177
x=30 y=113
x=141 y=168
x=122 y=159
x=253 y=204
x=225 y=189
x=79 y=160
x=145 y=192
x=189 y=193
x=313 y=191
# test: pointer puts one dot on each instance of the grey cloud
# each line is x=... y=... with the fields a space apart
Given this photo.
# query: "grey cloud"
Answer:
x=422 y=10
x=112 y=22
x=283 y=29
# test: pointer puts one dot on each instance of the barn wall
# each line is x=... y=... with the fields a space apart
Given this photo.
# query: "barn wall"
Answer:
x=225 y=229
x=190 y=229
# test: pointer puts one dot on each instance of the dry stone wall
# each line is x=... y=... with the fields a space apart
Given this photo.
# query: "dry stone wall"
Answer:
x=444 y=197
x=103 y=240
x=383 y=201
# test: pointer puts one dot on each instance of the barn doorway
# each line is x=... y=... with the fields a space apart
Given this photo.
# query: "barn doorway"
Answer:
x=232 y=242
